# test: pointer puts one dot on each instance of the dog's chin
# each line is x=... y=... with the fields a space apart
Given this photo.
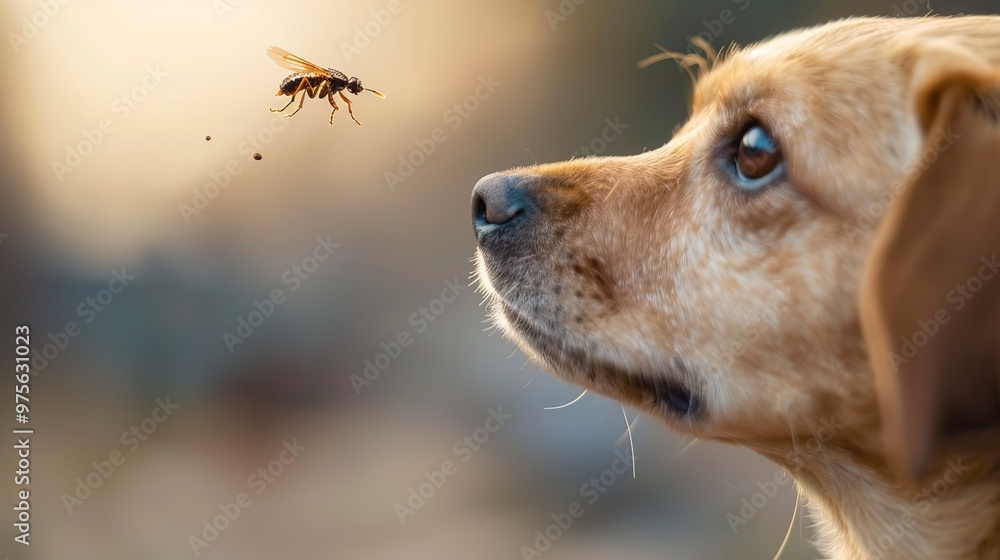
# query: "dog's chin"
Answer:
x=671 y=392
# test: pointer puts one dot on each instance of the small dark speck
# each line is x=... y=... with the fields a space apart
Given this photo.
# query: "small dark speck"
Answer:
x=207 y=138
x=257 y=156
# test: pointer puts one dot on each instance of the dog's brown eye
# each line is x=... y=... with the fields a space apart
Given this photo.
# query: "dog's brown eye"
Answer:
x=757 y=155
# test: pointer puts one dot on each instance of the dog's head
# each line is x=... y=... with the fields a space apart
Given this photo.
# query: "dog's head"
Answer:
x=714 y=281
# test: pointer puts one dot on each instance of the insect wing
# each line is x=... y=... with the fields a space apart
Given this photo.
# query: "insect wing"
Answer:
x=289 y=61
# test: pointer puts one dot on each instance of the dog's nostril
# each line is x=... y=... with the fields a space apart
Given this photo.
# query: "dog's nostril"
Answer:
x=497 y=199
x=478 y=208
x=498 y=213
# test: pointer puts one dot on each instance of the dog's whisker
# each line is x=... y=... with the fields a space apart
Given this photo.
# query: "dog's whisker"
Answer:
x=624 y=435
x=612 y=189
x=791 y=428
x=711 y=56
x=531 y=154
x=631 y=445
x=685 y=61
x=788 y=534
x=818 y=440
x=677 y=454
x=683 y=442
x=800 y=496
x=529 y=382
x=567 y=404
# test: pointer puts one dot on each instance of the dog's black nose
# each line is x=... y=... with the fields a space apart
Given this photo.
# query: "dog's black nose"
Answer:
x=500 y=200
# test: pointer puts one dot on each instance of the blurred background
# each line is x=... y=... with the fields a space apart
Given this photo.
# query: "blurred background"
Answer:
x=241 y=359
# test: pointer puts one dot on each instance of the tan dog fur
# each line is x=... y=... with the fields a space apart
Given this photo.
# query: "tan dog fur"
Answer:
x=655 y=267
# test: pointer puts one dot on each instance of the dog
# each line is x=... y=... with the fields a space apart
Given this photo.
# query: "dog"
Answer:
x=808 y=268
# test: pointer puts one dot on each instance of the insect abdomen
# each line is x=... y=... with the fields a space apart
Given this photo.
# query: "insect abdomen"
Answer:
x=290 y=84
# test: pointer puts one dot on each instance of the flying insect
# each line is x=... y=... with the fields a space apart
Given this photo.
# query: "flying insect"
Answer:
x=314 y=81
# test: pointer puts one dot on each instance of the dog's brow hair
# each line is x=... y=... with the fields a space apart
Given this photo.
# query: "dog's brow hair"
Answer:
x=703 y=62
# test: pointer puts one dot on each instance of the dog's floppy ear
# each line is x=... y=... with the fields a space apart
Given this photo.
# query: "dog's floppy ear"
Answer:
x=930 y=292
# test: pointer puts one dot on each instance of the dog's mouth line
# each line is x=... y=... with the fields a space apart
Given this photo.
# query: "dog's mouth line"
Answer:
x=671 y=388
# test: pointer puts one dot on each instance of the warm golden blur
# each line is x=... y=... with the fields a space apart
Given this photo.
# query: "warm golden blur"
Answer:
x=282 y=358
x=162 y=76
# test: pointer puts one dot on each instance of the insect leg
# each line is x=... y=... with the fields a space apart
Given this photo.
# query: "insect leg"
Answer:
x=299 y=108
x=335 y=108
x=292 y=100
x=306 y=89
x=349 y=110
x=320 y=91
